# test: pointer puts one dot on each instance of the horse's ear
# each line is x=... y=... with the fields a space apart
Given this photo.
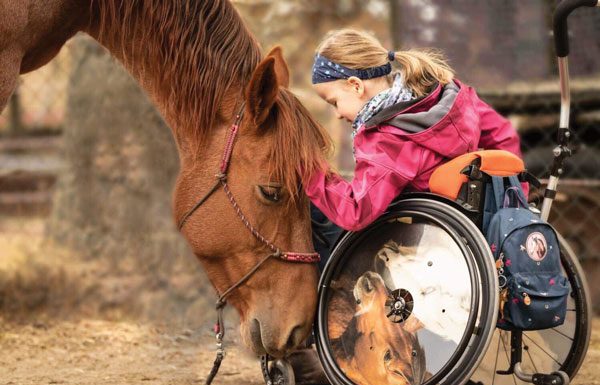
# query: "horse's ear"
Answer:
x=262 y=91
x=281 y=68
x=413 y=324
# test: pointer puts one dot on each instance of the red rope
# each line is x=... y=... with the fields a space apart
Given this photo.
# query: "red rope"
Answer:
x=286 y=256
x=229 y=145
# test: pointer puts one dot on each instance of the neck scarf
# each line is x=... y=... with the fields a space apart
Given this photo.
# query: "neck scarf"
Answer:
x=386 y=98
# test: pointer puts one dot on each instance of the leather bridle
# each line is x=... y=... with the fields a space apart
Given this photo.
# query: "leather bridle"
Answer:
x=221 y=180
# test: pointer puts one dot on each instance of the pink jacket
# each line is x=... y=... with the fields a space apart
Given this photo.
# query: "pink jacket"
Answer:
x=400 y=147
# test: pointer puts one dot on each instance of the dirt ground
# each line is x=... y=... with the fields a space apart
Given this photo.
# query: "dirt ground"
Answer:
x=69 y=321
x=123 y=353
x=53 y=341
x=101 y=352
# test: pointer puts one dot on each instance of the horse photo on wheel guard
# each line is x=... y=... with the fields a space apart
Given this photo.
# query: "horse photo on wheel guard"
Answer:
x=374 y=350
x=398 y=305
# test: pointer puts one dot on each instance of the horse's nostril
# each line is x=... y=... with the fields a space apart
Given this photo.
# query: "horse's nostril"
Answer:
x=255 y=333
x=295 y=338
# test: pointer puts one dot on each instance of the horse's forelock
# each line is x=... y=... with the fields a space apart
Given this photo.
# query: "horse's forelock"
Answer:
x=299 y=143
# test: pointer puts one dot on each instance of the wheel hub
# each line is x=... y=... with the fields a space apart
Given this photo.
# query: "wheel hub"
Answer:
x=399 y=305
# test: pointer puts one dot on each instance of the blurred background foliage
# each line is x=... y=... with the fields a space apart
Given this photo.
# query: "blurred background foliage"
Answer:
x=87 y=165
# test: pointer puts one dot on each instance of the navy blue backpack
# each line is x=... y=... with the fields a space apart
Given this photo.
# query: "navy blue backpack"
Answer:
x=533 y=289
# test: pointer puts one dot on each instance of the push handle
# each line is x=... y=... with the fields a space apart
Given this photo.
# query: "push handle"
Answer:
x=561 y=31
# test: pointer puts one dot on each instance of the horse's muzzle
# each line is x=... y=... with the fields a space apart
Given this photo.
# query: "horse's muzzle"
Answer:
x=265 y=339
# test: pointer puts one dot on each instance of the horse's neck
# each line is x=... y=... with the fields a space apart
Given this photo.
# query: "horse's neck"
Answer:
x=35 y=31
x=173 y=81
x=180 y=51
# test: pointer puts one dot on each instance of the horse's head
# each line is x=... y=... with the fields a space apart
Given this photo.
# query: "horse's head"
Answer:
x=277 y=137
x=384 y=352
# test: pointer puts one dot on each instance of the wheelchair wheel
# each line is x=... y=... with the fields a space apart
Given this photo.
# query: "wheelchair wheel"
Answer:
x=546 y=351
x=411 y=299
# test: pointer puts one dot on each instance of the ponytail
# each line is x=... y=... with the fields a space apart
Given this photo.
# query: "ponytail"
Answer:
x=422 y=69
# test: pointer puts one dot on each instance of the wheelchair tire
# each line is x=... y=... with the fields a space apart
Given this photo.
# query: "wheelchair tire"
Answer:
x=478 y=261
x=546 y=351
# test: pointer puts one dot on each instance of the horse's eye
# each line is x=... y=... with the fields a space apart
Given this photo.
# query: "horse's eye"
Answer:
x=271 y=193
x=388 y=356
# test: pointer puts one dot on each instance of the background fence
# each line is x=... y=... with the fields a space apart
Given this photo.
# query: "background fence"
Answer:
x=38 y=104
x=505 y=49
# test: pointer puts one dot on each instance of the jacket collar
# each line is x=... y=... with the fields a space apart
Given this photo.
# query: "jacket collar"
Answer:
x=392 y=111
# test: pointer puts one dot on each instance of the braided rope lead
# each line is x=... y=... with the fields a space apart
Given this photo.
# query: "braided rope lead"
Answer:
x=286 y=256
x=219 y=334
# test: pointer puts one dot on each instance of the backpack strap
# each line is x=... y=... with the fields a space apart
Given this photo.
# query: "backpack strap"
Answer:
x=520 y=200
x=499 y=190
x=515 y=185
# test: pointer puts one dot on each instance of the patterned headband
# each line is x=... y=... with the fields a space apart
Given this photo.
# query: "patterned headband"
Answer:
x=325 y=70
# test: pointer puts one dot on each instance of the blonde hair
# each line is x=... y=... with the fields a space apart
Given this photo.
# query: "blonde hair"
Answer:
x=421 y=68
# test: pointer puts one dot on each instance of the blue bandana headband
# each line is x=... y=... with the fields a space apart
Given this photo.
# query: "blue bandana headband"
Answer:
x=325 y=70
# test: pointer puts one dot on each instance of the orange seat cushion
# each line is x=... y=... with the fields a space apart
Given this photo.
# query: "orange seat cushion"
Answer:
x=447 y=179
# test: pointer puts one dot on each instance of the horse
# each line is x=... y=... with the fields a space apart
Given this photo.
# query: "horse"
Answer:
x=408 y=268
x=202 y=67
x=374 y=350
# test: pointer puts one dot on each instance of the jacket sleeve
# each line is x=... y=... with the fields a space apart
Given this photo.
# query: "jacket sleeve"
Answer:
x=497 y=133
x=356 y=204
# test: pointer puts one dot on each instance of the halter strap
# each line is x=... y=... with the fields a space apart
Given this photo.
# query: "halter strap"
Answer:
x=230 y=141
x=222 y=180
x=222 y=175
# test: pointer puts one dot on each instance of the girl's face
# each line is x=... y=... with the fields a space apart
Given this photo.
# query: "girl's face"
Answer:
x=344 y=96
x=348 y=96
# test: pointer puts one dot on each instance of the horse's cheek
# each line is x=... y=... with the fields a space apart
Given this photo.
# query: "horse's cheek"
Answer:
x=353 y=372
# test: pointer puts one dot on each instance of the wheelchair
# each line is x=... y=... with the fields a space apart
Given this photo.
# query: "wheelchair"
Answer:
x=414 y=298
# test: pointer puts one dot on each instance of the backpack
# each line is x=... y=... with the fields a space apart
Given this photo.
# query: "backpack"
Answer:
x=533 y=289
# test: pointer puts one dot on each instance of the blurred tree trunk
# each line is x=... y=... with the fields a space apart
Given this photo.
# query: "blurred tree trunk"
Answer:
x=549 y=7
x=113 y=200
x=396 y=24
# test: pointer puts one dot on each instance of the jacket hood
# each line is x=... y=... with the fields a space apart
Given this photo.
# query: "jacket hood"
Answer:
x=434 y=121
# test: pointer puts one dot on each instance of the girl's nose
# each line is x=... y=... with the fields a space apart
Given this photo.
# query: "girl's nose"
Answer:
x=338 y=115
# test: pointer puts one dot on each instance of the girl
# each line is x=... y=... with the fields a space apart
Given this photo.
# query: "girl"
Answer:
x=409 y=115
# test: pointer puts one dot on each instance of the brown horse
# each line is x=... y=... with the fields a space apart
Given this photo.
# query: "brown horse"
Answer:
x=199 y=63
x=372 y=349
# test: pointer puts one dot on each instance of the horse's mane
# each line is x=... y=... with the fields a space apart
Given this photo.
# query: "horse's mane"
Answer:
x=193 y=51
